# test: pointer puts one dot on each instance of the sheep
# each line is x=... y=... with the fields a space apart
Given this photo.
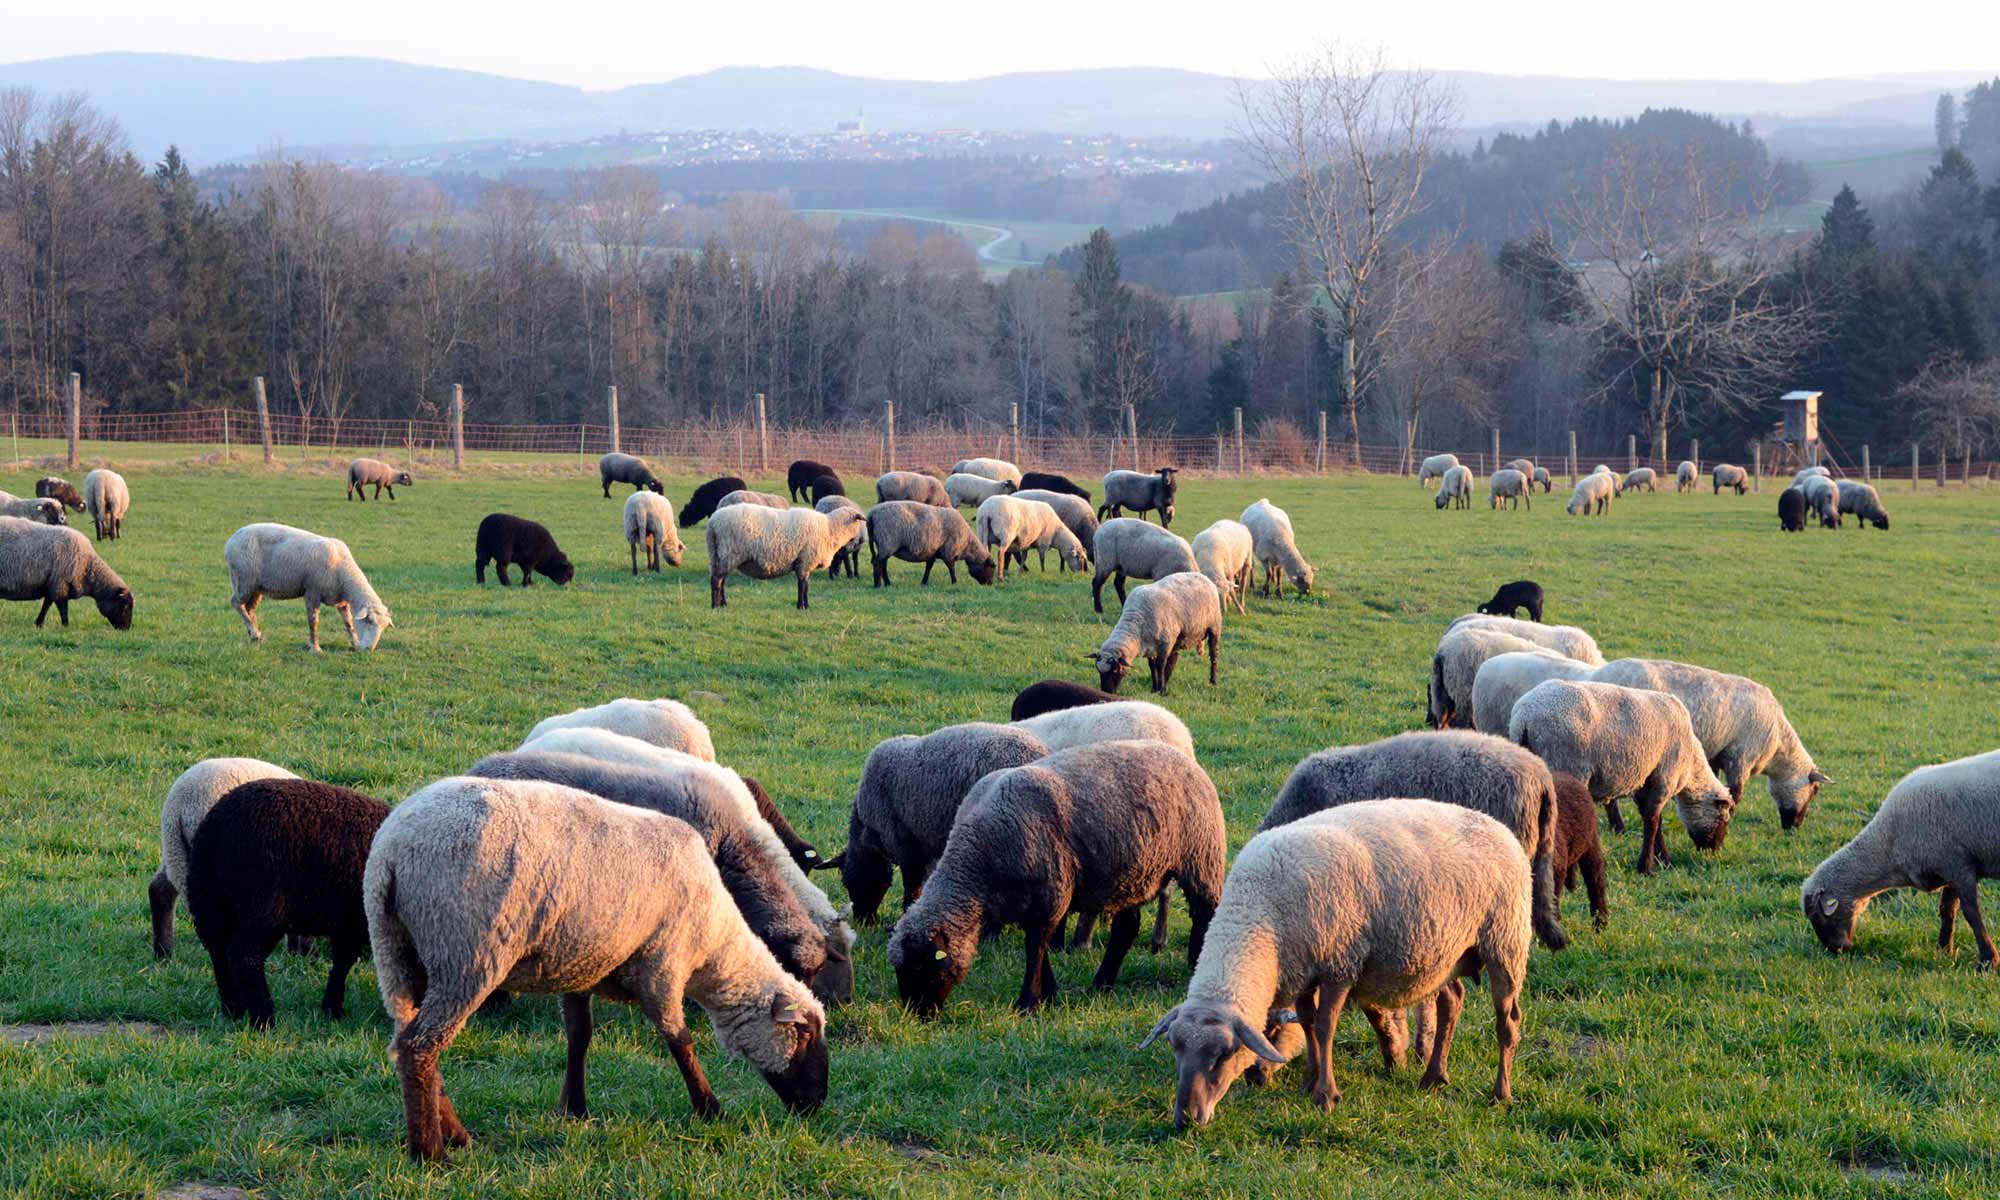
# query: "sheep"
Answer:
x=1525 y=466
x=1509 y=598
x=364 y=471
x=1800 y=478
x=1823 y=498
x=805 y=856
x=827 y=486
x=746 y=496
x=1120 y=720
x=1541 y=476
x=1864 y=502
x=1792 y=510
x=927 y=533
x=1141 y=493
x=1455 y=665
x=801 y=475
x=701 y=505
x=1055 y=695
x=970 y=491
x=1936 y=830
x=479 y=884
x=1742 y=729
x=1435 y=467
x=1563 y=639
x=1578 y=847
x=997 y=469
x=1127 y=546
x=1224 y=552
x=1511 y=486
x=1478 y=771
x=1729 y=475
x=709 y=799
x=1271 y=534
x=1624 y=741
x=626 y=468
x=1640 y=477
x=56 y=564
x=912 y=486
x=649 y=522
x=1385 y=903
x=57 y=488
x=274 y=857
x=193 y=795
x=1456 y=490
x=1048 y=481
x=286 y=564
x=45 y=510
x=910 y=792
x=850 y=554
x=1010 y=527
x=1099 y=828
x=504 y=540
x=1684 y=476
x=1178 y=612
x=107 y=499
x=1502 y=680
x=1076 y=514
x=765 y=543
x=1593 y=492
x=668 y=724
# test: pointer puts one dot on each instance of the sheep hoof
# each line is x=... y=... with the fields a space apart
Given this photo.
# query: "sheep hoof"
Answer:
x=1325 y=1096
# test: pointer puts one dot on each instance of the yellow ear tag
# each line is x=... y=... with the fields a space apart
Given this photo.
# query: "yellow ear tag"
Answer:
x=940 y=956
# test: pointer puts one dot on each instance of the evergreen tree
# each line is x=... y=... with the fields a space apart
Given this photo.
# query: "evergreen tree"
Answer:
x=1103 y=305
x=1946 y=122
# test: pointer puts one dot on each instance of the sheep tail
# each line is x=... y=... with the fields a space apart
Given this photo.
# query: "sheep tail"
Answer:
x=399 y=972
x=1547 y=906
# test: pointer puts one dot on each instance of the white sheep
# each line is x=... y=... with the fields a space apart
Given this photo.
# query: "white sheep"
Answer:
x=1563 y=639
x=107 y=499
x=1271 y=537
x=1076 y=512
x=43 y=510
x=1525 y=466
x=970 y=491
x=1182 y=611
x=1456 y=490
x=1135 y=548
x=364 y=471
x=1511 y=486
x=998 y=469
x=1864 y=502
x=1118 y=721
x=1592 y=491
x=1823 y=498
x=1007 y=525
x=1729 y=475
x=192 y=795
x=765 y=543
x=665 y=723
x=1684 y=476
x=56 y=564
x=1434 y=467
x=850 y=554
x=649 y=522
x=1503 y=679
x=746 y=496
x=1541 y=476
x=1224 y=552
x=286 y=564
x=1799 y=479
x=1640 y=477
x=1454 y=666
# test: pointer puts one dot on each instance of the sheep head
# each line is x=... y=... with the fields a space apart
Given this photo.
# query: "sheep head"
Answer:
x=786 y=1042
x=1212 y=1045
x=116 y=605
x=930 y=961
x=1794 y=796
x=1832 y=916
x=370 y=623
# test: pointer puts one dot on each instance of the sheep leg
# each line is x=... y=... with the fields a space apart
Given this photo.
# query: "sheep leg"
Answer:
x=804 y=602
x=1124 y=931
x=1325 y=1092
x=951 y=568
x=1086 y=928
x=1650 y=840
x=914 y=875
x=1118 y=584
x=634 y=546
x=1593 y=882
x=346 y=612
x=345 y=954
x=1506 y=1030
x=479 y=570
x=1547 y=909
x=576 y=1024
x=1214 y=644
x=312 y=623
x=246 y=607
x=1038 y=983
x=881 y=566
x=681 y=1045
x=1159 y=938
x=500 y=568
x=527 y=576
x=248 y=948
x=43 y=615
x=160 y=895
x=1392 y=1034
x=928 y=564
x=1947 y=917
x=1450 y=1000
x=215 y=940
x=716 y=597
x=1968 y=899
x=1303 y=1007
x=1613 y=815
x=1097 y=591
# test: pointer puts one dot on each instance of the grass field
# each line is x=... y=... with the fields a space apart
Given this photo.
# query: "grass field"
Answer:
x=1701 y=1044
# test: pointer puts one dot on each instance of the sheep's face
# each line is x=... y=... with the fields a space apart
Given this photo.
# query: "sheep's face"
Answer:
x=1832 y=917
x=1705 y=810
x=559 y=571
x=1073 y=558
x=1795 y=796
x=1112 y=668
x=1443 y=497
x=833 y=983
x=929 y=963
x=655 y=486
x=116 y=605
x=403 y=479
x=1212 y=1046
x=370 y=624
x=788 y=1049
x=981 y=571
x=1304 y=580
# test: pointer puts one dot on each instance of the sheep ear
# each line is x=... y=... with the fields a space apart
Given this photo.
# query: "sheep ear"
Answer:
x=1818 y=776
x=1828 y=905
x=1255 y=1042
x=1287 y=1016
x=785 y=1012
x=1161 y=1027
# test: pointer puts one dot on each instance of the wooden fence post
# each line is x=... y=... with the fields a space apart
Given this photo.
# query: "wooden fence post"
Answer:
x=1757 y=467
x=763 y=438
x=225 y=435
x=1631 y=452
x=1239 y=441
x=1218 y=452
x=1914 y=461
x=14 y=428
x=1572 y=458
x=1496 y=447
x=1695 y=457
x=1967 y=473
x=1132 y=432
x=1014 y=433
x=1867 y=472
x=263 y=417
x=611 y=400
x=75 y=413
x=1319 y=460
x=888 y=435
x=1944 y=459
x=458 y=425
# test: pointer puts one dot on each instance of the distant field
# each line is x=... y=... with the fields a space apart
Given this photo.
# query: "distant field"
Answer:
x=1701 y=1045
x=999 y=241
x=1870 y=175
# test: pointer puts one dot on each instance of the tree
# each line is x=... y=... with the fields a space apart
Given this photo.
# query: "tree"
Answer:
x=1956 y=403
x=1946 y=121
x=1037 y=339
x=1103 y=304
x=1453 y=338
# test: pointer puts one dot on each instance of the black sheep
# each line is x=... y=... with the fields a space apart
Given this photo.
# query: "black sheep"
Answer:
x=1522 y=593
x=1049 y=695
x=1792 y=510
x=1050 y=482
x=802 y=851
x=277 y=857
x=1577 y=844
x=701 y=505
x=800 y=476
x=54 y=487
x=509 y=540
x=827 y=485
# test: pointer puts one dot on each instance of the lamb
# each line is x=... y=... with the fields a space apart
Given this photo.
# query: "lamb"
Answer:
x=1478 y=771
x=1098 y=828
x=1386 y=903
x=765 y=543
x=1050 y=482
x=1792 y=510
x=1512 y=597
x=505 y=540
x=57 y=488
x=1076 y=514
x=1936 y=830
x=1179 y=612
x=285 y=564
x=43 y=511
x=970 y=491
x=1563 y=639
x=1456 y=664
x=1623 y=741
x=1742 y=729
x=1120 y=720
x=107 y=499
x=668 y=724
x=1640 y=477
x=1009 y=526
x=1862 y=500
x=1511 y=486
x=1435 y=467
x=274 y=857
x=1525 y=466
x=363 y=472
x=1055 y=695
x=701 y=505
x=649 y=522
x=997 y=469
x=480 y=884
x=1541 y=476
x=1823 y=498
x=800 y=476
x=191 y=798
x=746 y=496
x=1684 y=476
x=1578 y=847
x=910 y=792
x=627 y=468
x=913 y=486
x=1592 y=492
x=56 y=564
x=1456 y=490
x=1140 y=493
x=915 y=531
x=1271 y=533
x=1224 y=552
x=1729 y=475
x=826 y=486
x=1501 y=681
x=1127 y=546
x=850 y=554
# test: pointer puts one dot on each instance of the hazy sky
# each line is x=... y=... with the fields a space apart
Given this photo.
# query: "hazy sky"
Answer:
x=598 y=43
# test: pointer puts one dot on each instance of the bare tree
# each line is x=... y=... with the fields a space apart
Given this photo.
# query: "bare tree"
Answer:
x=620 y=219
x=1453 y=336
x=1037 y=335
x=1955 y=404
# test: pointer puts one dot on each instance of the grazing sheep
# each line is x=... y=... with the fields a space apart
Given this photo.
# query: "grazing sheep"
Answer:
x=107 y=499
x=1640 y=477
x=1385 y=903
x=1048 y=481
x=1456 y=490
x=1129 y=547
x=970 y=491
x=1792 y=510
x=803 y=473
x=45 y=510
x=1623 y=741
x=365 y=471
x=649 y=522
x=927 y=533
x=1511 y=486
x=668 y=724
x=1563 y=639
x=1592 y=492
x=850 y=554
x=1823 y=498
x=913 y=486
x=274 y=857
x=1224 y=552
x=1098 y=828
x=1077 y=515
x=826 y=486
x=1007 y=526
x=505 y=540
x=1742 y=729
x=1578 y=847
x=1055 y=695
x=1525 y=466
x=56 y=564
x=997 y=469
x=1864 y=502
x=1472 y=770
x=805 y=856
x=1118 y=721
x=1178 y=612
x=746 y=496
x=702 y=504
x=193 y=795
x=627 y=468
x=1502 y=680
x=285 y=564
x=1684 y=476
x=475 y=885
x=1936 y=830
x=1141 y=493
x=1800 y=477
x=1455 y=665
x=1511 y=597
x=765 y=543
x=1271 y=536
x=1541 y=476
x=1729 y=475
x=1435 y=467
x=57 y=488
x=910 y=792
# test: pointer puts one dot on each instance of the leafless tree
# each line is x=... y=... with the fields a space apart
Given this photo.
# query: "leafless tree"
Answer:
x=619 y=220
x=1038 y=339
x=1955 y=404
x=1452 y=337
